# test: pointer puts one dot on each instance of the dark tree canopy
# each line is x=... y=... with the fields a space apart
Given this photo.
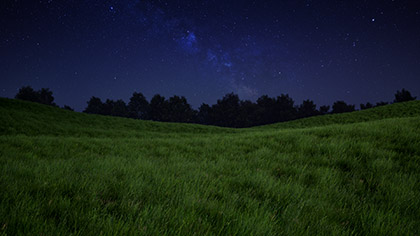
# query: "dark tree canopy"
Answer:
x=266 y=109
x=180 y=111
x=27 y=93
x=108 y=106
x=381 y=103
x=159 y=108
x=366 y=106
x=138 y=107
x=403 y=96
x=119 y=108
x=229 y=111
x=271 y=110
x=307 y=108
x=248 y=115
x=324 y=109
x=284 y=108
x=44 y=96
x=205 y=115
x=95 y=106
x=226 y=111
x=341 y=107
x=66 y=107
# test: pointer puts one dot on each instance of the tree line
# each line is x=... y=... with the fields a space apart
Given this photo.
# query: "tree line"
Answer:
x=228 y=111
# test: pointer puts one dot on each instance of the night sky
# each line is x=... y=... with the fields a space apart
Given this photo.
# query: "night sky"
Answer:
x=324 y=50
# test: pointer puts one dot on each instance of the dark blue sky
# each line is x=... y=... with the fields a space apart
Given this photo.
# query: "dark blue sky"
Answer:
x=357 y=51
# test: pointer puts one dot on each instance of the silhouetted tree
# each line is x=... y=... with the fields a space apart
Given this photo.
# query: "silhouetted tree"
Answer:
x=324 y=109
x=248 y=115
x=226 y=111
x=403 y=96
x=108 y=107
x=27 y=93
x=367 y=106
x=270 y=110
x=229 y=111
x=43 y=96
x=138 y=107
x=159 y=108
x=180 y=110
x=119 y=108
x=307 y=109
x=65 y=107
x=266 y=110
x=205 y=115
x=378 y=104
x=341 y=106
x=95 y=106
x=46 y=97
x=284 y=109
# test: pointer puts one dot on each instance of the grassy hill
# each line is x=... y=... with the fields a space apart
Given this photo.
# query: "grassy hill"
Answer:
x=397 y=110
x=67 y=173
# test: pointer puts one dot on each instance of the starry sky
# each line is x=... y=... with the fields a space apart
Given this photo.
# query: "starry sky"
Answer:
x=324 y=50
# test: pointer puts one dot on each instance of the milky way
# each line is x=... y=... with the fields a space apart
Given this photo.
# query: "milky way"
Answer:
x=356 y=51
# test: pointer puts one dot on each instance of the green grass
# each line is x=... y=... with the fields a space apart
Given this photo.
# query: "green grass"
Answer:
x=66 y=173
x=398 y=110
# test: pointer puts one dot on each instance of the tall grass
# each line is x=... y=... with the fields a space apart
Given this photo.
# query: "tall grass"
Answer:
x=64 y=173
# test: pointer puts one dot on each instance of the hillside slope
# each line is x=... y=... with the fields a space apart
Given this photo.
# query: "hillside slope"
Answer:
x=22 y=117
x=66 y=173
x=405 y=109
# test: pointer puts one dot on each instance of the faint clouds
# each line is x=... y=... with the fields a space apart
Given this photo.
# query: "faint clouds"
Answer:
x=244 y=91
x=188 y=43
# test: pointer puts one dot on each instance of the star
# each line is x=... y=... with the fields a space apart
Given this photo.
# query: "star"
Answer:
x=198 y=43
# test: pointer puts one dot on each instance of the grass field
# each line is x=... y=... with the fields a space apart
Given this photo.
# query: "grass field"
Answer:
x=67 y=173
